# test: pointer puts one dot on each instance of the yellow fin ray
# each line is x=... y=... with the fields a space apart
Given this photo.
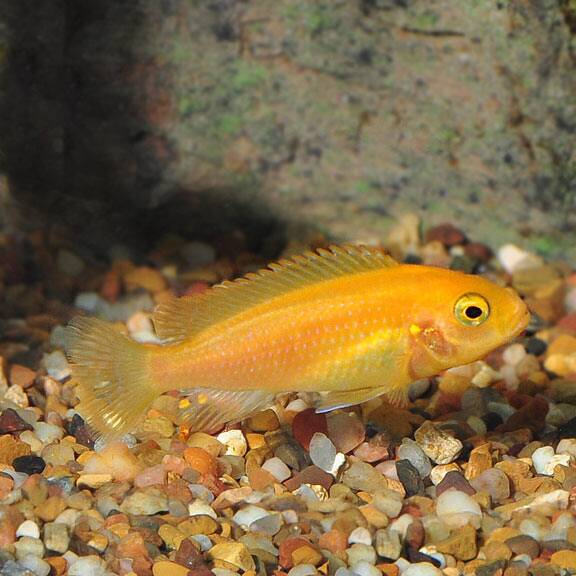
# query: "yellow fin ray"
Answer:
x=114 y=387
x=184 y=317
x=205 y=409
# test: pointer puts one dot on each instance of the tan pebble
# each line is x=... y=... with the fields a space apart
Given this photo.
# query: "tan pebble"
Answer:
x=374 y=516
x=496 y=551
x=93 y=480
x=10 y=448
x=234 y=553
x=461 y=544
x=565 y=559
x=206 y=442
x=479 y=461
x=503 y=534
x=255 y=441
x=306 y=555
x=265 y=421
x=167 y=568
x=438 y=472
x=50 y=509
x=17 y=395
x=200 y=524
x=98 y=541
x=115 y=459
x=121 y=529
x=171 y=536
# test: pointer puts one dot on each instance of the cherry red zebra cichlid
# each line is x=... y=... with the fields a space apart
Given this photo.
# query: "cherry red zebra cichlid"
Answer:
x=349 y=322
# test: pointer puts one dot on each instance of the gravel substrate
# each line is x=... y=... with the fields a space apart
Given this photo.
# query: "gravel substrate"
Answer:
x=477 y=476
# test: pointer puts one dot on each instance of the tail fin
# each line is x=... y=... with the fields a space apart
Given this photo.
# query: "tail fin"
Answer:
x=113 y=375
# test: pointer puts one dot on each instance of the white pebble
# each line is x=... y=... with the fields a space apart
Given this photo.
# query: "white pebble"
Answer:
x=198 y=508
x=512 y=258
x=565 y=446
x=456 y=509
x=364 y=568
x=514 y=354
x=360 y=535
x=422 y=569
x=277 y=468
x=544 y=460
x=88 y=566
x=48 y=433
x=28 y=528
x=234 y=441
x=56 y=365
x=297 y=405
x=36 y=565
x=438 y=472
x=203 y=540
x=245 y=516
x=303 y=570
x=324 y=455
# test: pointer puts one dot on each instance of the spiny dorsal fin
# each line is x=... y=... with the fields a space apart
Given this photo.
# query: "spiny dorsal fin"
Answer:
x=184 y=317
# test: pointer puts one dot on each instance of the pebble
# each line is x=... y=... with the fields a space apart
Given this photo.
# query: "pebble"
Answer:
x=28 y=546
x=361 y=553
x=88 y=566
x=57 y=454
x=30 y=464
x=512 y=258
x=409 y=477
x=565 y=559
x=277 y=468
x=388 y=544
x=28 y=528
x=167 y=568
x=147 y=502
x=10 y=449
x=345 y=430
x=36 y=565
x=306 y=424
x=56 y=538
x=48 y=433
x=457 y=509
x=234 y=441
x=461 y=544
x=438 y=445
x=388 y=501
x=360 y=535
x=10 y=421
x=422 y=569
x=362 y=476
x=494 y=482
x=56 y=365
x=234 y=553
x=545 y=461
x=324 y=455
x=411 y=451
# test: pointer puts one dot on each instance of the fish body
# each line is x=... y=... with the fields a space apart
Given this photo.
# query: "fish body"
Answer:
x=350 y=323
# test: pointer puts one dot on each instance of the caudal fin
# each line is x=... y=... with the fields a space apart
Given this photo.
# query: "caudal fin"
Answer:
x=113 y=376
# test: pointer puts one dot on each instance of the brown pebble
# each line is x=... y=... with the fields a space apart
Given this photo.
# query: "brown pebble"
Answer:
x=496 y=551
x=310 y=475
x=447 y=234
x=478 y=251
x=59 y=566
x=461 y=544
x=22 y=376
x=306 y=424
x=532 y=415
x=455 y=480
x=11 y=422
x=335 y=541
x=524 y=544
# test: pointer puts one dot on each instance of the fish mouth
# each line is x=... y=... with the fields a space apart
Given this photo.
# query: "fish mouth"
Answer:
x=522 y=323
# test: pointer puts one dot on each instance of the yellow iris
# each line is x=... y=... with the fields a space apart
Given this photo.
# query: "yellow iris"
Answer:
x=471 y=309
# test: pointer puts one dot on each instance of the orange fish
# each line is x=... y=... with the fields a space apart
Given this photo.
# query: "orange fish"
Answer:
x=349 y=322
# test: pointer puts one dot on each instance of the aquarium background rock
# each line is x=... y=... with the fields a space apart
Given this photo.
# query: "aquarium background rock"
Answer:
x=336 y=116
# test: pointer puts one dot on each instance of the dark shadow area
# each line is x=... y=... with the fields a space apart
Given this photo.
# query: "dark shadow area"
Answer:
x=76 y=144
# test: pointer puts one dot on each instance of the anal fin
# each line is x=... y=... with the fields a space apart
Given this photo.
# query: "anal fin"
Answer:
x=204 y=409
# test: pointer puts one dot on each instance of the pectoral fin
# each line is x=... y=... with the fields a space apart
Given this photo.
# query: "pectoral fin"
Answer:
x=343 y=398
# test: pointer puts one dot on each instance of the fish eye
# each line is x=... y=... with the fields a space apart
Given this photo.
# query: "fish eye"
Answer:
x=471 y=310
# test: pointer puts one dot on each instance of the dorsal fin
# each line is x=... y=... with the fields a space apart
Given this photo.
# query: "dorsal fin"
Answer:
x=184 y=317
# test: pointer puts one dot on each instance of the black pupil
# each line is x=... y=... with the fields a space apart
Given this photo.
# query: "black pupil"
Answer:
x=473 y=312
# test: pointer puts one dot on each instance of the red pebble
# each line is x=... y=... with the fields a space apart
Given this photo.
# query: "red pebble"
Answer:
x=306 y=424
x=447 y=234
x=287 y=548
x=11 y=422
